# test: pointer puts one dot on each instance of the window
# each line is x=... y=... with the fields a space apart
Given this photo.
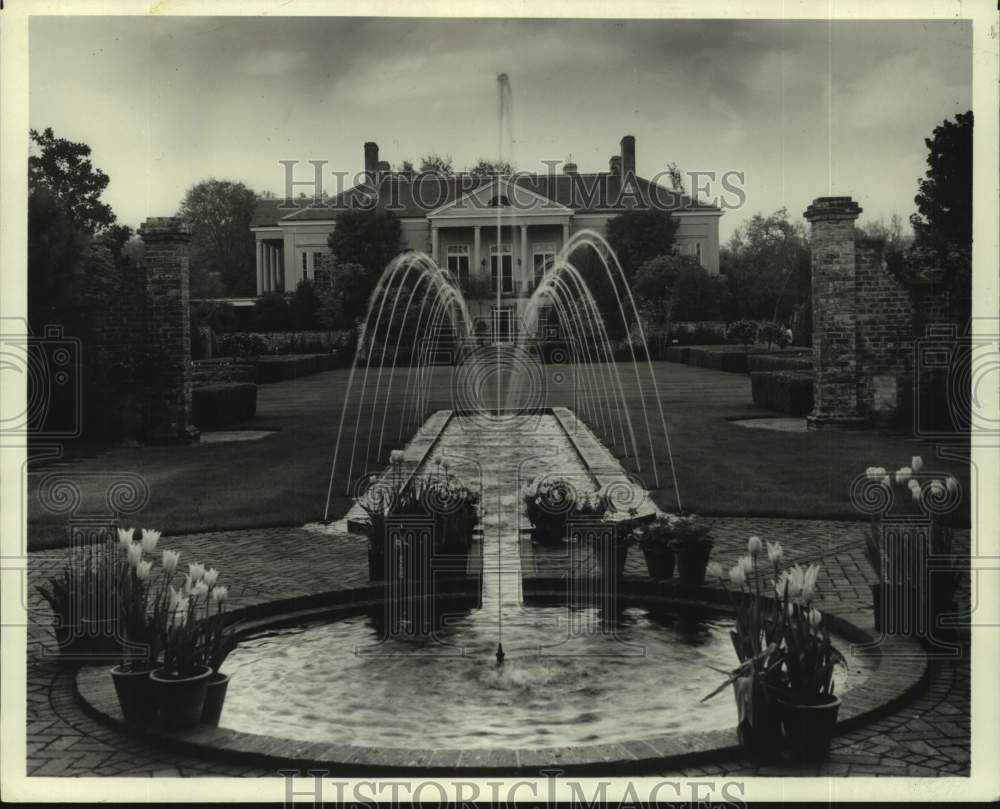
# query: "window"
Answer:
x=503 y=324
x=317 y=262
x=499 y=201
x=458 y=262
x=305 y=268
x=543 y=256
x=697 y=251
x=501 y=267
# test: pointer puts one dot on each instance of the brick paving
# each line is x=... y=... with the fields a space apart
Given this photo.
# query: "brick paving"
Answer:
x=928 y=737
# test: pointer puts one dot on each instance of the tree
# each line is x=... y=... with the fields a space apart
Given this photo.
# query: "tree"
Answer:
x=270 y=312
x=491 y=168
x=436 y=164
x=406 y=168
x=678 y=288
x=890 y=232
x=56 y=246
x=350 y=287
x=944 y=198
x=64 y=168
x=767 y=264
x=304 y=306
x=638 y=236
x=219 y=213
x=371 y=238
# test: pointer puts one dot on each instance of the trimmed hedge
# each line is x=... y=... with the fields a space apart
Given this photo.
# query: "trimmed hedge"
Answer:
x=223 y=404
x=779 y=362
x=213 y=372
x=678 y=354
x=789 y=392
x=732 y=360
x=280 y=368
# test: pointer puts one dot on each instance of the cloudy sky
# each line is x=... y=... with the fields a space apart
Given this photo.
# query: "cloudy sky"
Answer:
x=803 y=109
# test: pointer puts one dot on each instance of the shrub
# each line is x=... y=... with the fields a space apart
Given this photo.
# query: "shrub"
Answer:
x=270 y=313
x=743 y=332
x=772 y=332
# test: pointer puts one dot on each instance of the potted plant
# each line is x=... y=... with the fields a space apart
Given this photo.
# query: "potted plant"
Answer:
x=182 y=681
x=138 y=624
x=757 y=638
x=655 y=540
x=220 y=640
x=692 y=547
x=808 y=705
x=611 y=544
x=550 y=503
x=86 y=623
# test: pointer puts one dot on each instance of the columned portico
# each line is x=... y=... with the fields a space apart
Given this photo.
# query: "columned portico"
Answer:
x=270 y=266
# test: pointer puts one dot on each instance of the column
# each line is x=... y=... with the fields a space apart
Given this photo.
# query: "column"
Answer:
x=434 y=245
x=525 y=267
x=260 y=267
x=280 y=264
x=835 y=313
x=267 y=269
x=565 y=233
x=476 y=258
x=167 y=411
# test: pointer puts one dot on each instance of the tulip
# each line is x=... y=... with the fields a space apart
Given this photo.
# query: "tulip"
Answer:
x=196 y=570
x=149 y=539
x=188 y=585
x=951 y=484
x=125 y=537
x=887 y=482
x=170 y=560
x=875 y=472
x=220 y=593
x=811 y=574
x=917 y=463
x=808 y=593
x=754 y=545
x=396 y=457
x=714 y=570
x=912 y=483
x=134 y=554
x=903 y=474
x=746 y=563
x=937 y=488
x=916 y=492
x=775 y=553
x=794 y=578
x=142 y=570
x=200 y=589
x=737 y=575
x=815 y=618
x=211 y=575
x=179 y=614
x=173 y=598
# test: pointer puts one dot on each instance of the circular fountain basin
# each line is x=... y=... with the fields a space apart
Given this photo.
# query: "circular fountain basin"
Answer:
x=570 y=678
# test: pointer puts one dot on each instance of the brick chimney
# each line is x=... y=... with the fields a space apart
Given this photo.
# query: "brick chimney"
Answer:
x=371 y=158
x=628 y=156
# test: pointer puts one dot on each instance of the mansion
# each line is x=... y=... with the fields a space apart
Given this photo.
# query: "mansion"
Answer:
x=492 y=230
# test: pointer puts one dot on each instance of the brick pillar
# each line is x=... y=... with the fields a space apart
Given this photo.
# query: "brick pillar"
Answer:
x=835 y=362
x=168 y=330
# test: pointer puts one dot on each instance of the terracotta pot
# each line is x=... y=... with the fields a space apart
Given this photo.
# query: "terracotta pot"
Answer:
x=691 y=563
x=215 y=697
x=659 y=562
x=809 y=728
x=136 y=696
x=761 y=736
x=180 y=699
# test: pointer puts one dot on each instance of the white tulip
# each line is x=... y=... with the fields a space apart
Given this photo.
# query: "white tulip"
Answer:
x=808 y=594
x=196 y=570
x=887 y=482
x=220 y=593
x=754 y=545
x=211 y=576
x=142 y=570
x=951 y=484
x=714 y=570
x=149 y=539
x=917 y=463
x=775 y=553
x=200 y=589
x=903 y=474
x=937 y=488
x=746 y=563
x=737 y=576
x=125 y=537
x=396 y=457
x=134 y=554
x=815 y=618
x=170 y=560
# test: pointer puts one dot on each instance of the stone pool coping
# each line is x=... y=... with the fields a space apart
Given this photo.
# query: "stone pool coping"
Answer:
x=899 y=672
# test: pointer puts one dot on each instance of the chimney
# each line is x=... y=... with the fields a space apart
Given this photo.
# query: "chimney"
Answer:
x=628 y=156
x=371 y=158
x=569 y=168
x=383 y=167
x=615 y=166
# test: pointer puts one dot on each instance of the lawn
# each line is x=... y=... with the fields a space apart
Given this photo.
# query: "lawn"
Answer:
x=722 y=468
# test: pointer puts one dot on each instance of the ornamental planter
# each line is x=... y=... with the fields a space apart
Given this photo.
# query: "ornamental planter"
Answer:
x=692 y=559
x=136 y=696
x=659 y=562
x=760 y=735
x=549 y=531
x=180 y=699
x=215 y=698
x=809 y=728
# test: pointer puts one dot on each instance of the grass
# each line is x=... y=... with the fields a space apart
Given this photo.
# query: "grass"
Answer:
x=722 y=468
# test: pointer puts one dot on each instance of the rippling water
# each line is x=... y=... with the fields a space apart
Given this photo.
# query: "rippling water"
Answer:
x=585 y=684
